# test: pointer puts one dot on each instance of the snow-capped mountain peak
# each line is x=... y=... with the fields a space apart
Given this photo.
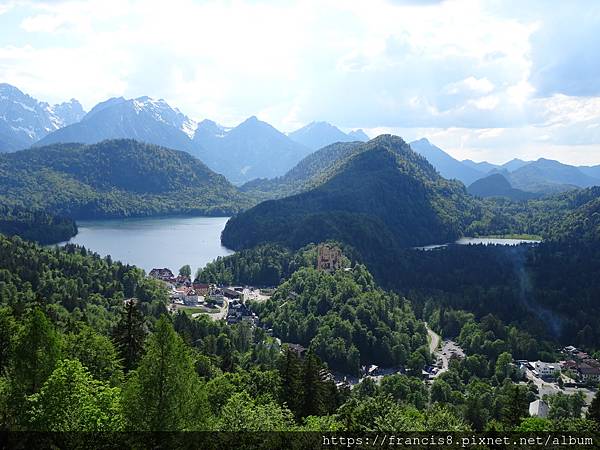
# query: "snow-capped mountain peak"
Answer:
x=24 y=120
x=160 y=110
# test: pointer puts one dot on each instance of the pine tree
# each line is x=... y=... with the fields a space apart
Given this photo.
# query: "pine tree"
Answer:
x=514 y=403
x=36 y=352
x=161 y=394
x=290 y=369
x=129 y=335
x=312 y=386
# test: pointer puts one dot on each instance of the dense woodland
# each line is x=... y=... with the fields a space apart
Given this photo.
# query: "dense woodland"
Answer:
x=39 y=226
x=76 y=355
x=88 y=344
x=550 y=289
x=347 y=320
x=117 y=178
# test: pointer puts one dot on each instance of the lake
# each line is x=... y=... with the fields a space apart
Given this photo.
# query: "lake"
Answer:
x=156 y=242
x=494 y=241
x=480 y=240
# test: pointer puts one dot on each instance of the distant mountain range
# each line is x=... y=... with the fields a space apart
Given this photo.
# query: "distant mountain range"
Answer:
x=252 y=150
x=25 y=120
x=142 y=119
x=447 y=166
x=543 y=176
x=306 y=174
x=317 y=135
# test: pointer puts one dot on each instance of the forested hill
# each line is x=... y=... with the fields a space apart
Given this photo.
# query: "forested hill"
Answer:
x=582 y=224
x=115 y=178
x=39 y=226
x=383 y=196
x=308 y=173
x=496 y=185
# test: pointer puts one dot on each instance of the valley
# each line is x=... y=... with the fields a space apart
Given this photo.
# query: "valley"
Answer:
x=319 y=275
x=299 y=225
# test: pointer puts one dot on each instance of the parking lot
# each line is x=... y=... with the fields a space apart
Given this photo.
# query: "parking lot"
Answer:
x=448 y=350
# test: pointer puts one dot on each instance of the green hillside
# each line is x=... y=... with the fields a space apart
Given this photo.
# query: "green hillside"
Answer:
x=383 y=196
x=115 y=178
x=308 y=173
x=496 y=185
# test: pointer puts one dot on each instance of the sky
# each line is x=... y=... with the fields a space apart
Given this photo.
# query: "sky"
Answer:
x=484 y=80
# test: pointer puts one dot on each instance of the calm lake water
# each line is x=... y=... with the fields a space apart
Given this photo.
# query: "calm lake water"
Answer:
x=481 y=240
x=156 y=242
x=493 y=241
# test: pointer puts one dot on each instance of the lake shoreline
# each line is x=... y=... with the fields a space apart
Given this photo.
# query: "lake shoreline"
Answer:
x=158 y=241
x=77 y=221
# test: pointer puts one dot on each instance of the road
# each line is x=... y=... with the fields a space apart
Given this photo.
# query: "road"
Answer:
x=222 y=314
x=448 y=350
x=434 y=339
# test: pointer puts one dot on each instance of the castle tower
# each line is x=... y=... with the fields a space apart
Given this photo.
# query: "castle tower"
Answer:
x=329 y=258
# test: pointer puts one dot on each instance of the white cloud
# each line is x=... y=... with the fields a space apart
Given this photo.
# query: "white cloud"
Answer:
x=460 y=69
x=44 y=23
x=4 y=8
x=486 y=103
x=471 y=84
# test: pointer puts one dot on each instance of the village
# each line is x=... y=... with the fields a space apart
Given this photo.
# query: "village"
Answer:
x=576 y=372
x=228 y=302
x=218 y=302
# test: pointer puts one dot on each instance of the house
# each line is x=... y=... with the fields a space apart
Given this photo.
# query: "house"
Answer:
x=183 y=280
x=192 y=298
x=239 y=312
x=545 y=369
x=202 y=288
x=539 y=408
x=162 y=274
x=568 y=365
x=588 y=372
x=569 y=350
x=370 y=370
x=329 y=258
x=591 y=362
x=232 y=292
x=578 y=354
x=217 y=299
x=186 y=295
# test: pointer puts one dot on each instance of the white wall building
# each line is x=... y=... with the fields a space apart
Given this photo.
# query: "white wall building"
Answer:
x=545 y=369
x=539 y=408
